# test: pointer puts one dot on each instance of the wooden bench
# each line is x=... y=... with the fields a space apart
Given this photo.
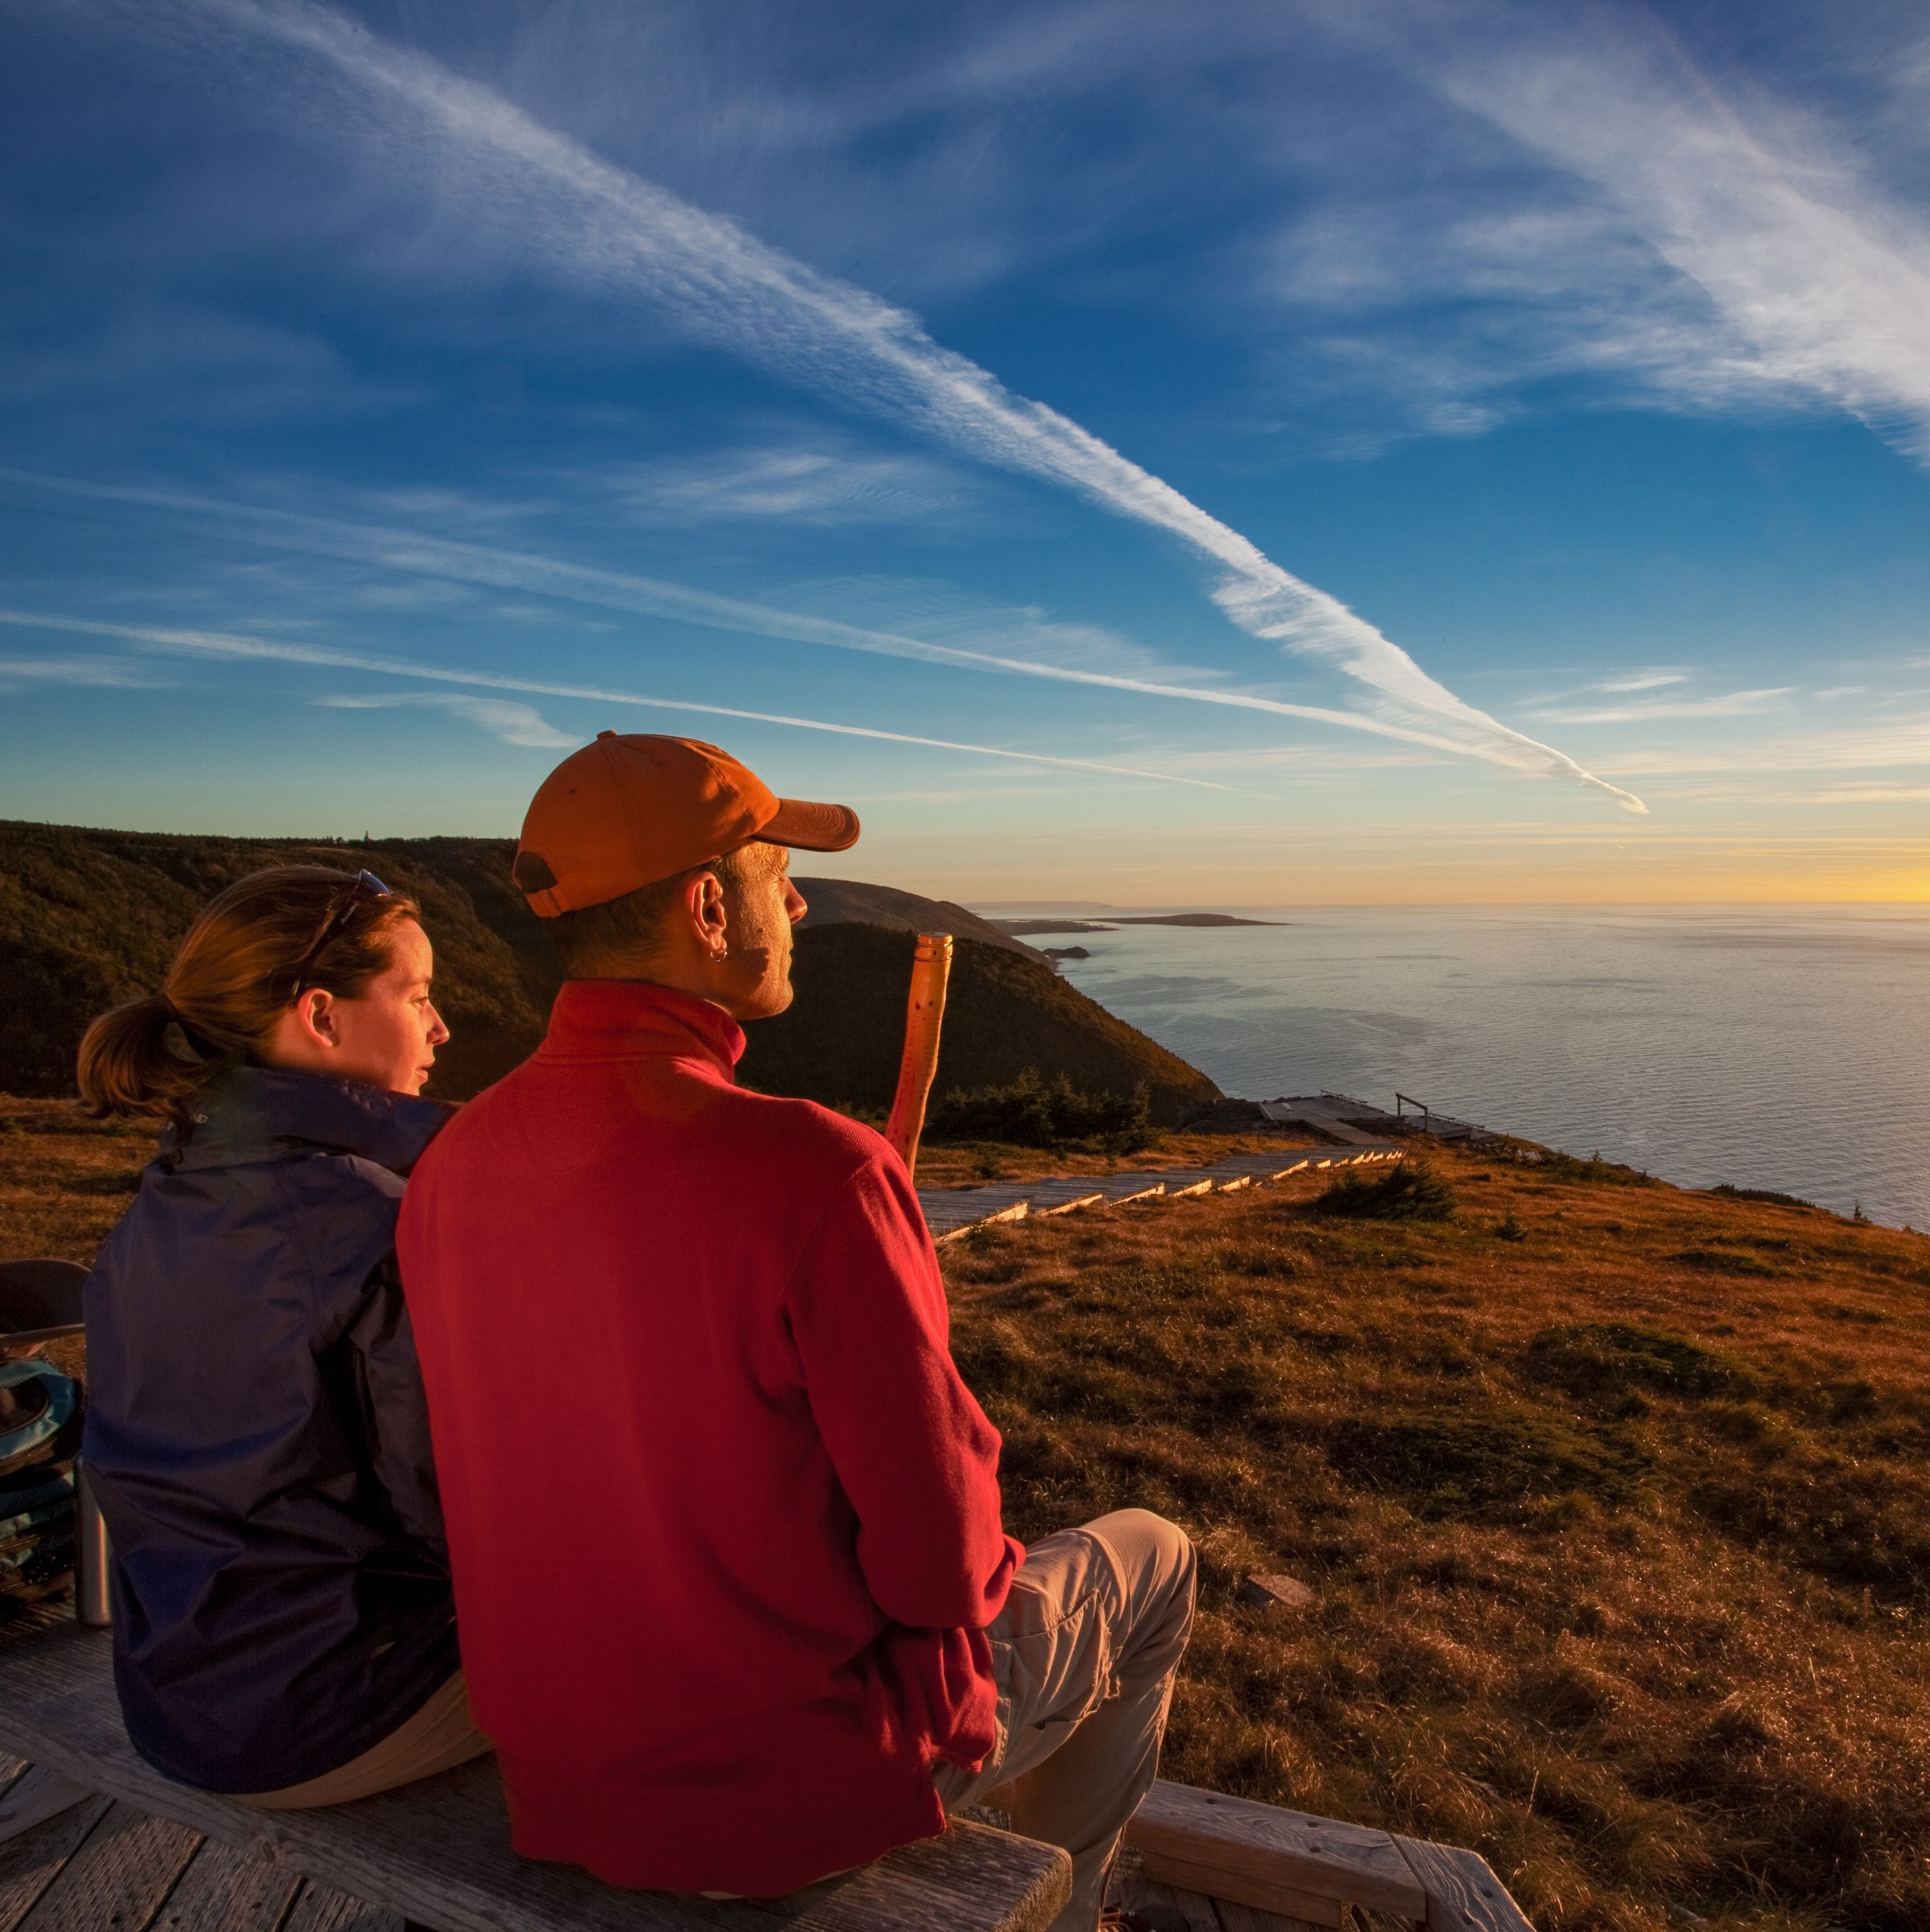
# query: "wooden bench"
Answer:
x=438 y=1853
x=1268 y=1865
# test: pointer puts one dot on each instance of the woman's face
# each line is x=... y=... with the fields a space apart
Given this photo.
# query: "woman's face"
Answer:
x=386 y=1035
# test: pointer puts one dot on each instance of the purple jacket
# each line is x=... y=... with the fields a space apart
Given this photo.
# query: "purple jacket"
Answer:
x=257 y=1437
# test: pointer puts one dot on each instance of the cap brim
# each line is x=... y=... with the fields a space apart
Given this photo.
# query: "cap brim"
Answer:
x=813 y=828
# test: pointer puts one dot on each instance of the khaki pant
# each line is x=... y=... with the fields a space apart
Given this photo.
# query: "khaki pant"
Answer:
x=1084 y=1653
x=440 y=1736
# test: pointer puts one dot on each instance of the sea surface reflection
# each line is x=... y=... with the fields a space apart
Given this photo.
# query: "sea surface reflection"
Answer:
x=1783 y=1047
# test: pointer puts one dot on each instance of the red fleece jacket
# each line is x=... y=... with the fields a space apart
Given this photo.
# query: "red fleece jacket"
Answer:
x=723 y=1521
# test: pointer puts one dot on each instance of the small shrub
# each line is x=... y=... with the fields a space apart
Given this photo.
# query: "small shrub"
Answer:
x=1567 y=1695
x=1412 y=1191
x=1768 y=1194
x=1029 y=1113
x=1451 y=1464
x=1509 y=1228
x=1616 y=1357
x=1595 y=1173
x=1749 y=1423
x=1276 y=1264
x=1712 y=1261
x=1847 y=1526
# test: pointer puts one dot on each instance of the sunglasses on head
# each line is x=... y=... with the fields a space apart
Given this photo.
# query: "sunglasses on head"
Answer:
x=363 y=889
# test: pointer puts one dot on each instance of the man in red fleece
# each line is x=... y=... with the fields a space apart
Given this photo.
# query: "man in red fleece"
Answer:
x=749 y=1619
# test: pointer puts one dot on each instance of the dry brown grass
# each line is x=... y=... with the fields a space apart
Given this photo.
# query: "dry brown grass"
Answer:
x=1620 y=1529
x=1615 y=1498
x=65 y=1179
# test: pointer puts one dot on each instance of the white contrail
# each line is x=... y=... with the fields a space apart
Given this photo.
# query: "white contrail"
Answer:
x=224 y=644
x=652 y=596
x=602 y=228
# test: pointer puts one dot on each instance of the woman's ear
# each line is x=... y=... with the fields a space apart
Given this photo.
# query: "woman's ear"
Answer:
x=315 y=1015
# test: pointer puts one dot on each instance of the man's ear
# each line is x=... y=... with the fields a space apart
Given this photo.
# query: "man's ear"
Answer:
x=717 y=915
x=703 y=900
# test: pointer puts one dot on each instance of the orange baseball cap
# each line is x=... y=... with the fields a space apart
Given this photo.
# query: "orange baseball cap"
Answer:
x=627 y=810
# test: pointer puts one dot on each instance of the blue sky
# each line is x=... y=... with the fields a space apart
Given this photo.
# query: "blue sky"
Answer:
x=1244 y=454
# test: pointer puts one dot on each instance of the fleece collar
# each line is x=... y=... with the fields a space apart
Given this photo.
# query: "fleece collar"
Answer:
x=623 y=1019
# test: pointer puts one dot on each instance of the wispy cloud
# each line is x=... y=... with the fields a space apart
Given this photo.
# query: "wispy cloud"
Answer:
x=556 y=207
x=100 y=672
x=800 y=483
x=502 y=718
x=183 y=359
x=1730 y=704
x=1647 y=680
x=1897 y=742
x=410 y=553
x=1820 y=278
x=222 y=644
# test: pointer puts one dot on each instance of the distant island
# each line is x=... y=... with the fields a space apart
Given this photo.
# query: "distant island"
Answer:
x=1190 y=919
x=1016 y=927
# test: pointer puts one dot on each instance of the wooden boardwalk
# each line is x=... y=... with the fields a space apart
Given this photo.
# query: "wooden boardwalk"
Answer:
x=1359 y=1124
x=952 y=1211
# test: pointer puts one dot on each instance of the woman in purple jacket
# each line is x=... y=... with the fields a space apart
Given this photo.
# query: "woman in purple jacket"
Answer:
x=256 y=1433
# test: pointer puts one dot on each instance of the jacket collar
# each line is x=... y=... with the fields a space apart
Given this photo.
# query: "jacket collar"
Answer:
x=265 y=1113
x=605 y=1019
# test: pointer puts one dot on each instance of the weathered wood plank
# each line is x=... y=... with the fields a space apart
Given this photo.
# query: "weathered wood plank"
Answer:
x=1175 y=1909
x=1235 y=1917
x=322 y=1908
x=1258 y=1852
x=31 y=1863
x=439 y=1851
x=1463 y=1894
x=228 y=1890
x=119 y=1878
x=1264 y=1897
x=32 y=1800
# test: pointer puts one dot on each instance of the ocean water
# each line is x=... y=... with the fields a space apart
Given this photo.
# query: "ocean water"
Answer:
x=1781 y=1047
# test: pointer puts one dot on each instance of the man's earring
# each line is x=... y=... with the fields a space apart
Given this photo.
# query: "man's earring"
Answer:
x=722 y=953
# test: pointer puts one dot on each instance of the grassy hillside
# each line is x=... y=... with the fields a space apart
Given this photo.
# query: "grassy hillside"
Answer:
x=852 y=902
x=1614 y=1496
x=89 y=918
x=1006 y=1011
x=1614 y=1499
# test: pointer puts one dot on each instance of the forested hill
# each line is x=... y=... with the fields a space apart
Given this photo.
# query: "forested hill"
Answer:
x=89 y=918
